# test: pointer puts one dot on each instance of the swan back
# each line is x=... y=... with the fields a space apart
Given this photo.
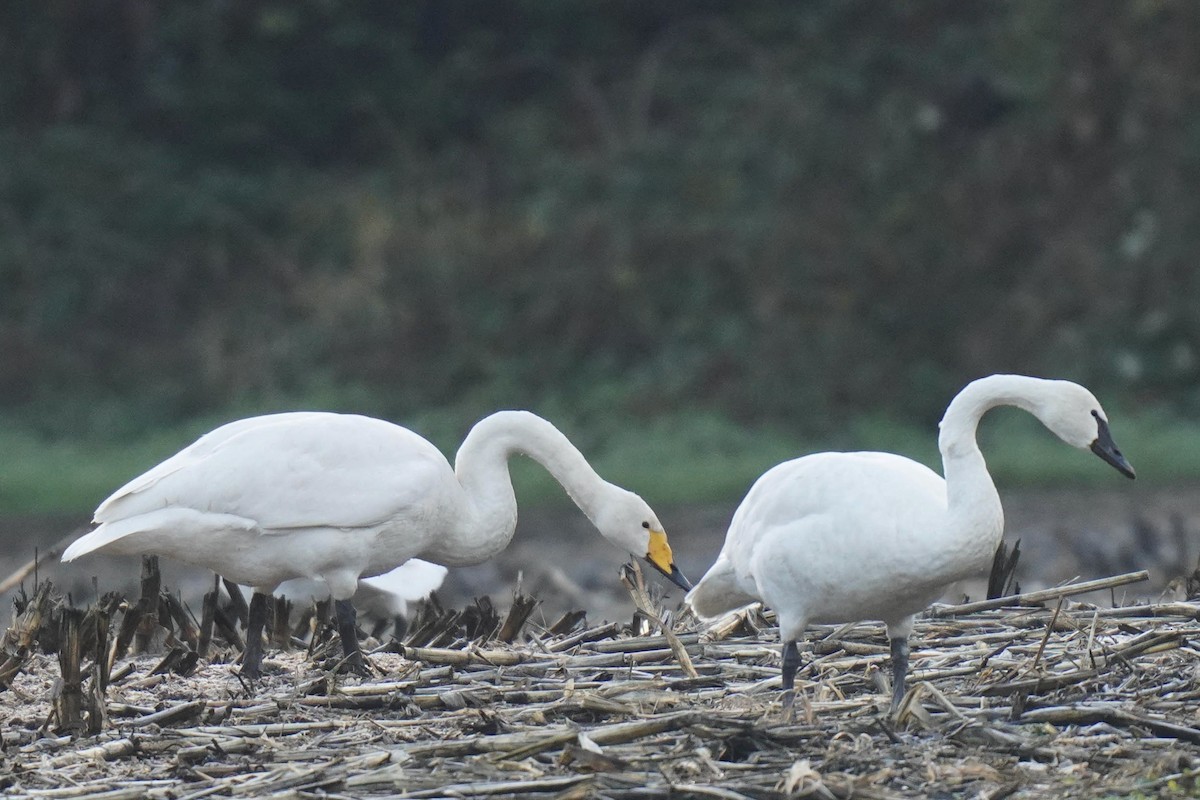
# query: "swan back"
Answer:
x=197 y=451
x=289 y=471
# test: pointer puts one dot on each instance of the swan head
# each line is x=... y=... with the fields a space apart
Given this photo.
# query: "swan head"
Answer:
x=627 y=521
x=1074 y=414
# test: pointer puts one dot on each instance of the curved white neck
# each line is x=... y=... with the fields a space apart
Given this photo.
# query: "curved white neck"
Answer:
x=481 y=467
x=974 y=504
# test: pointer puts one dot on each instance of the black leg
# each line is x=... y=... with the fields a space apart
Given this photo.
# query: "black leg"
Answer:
x=399 y=627
x=791 y=663
x=899 y=669
x=348 y=631
x=256 y=620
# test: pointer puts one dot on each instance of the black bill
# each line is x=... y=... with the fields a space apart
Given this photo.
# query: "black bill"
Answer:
x=674 y=575
x=1106 y=448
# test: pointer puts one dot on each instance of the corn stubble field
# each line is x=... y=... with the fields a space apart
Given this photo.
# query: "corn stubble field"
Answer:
x=1027 y=696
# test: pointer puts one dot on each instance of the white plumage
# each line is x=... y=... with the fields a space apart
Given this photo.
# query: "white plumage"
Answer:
x=839 y=537
x=386 y=598
x=338 y=497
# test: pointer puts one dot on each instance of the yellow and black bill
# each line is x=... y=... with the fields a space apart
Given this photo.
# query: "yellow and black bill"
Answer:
x=659 y=556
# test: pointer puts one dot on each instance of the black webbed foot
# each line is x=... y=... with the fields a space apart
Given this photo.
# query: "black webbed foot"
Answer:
x=791 y=663
x=353 y=662
x=900 y=651
x=255 y=623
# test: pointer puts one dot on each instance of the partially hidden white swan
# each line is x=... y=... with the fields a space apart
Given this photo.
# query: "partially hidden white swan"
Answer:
x=387 y=597
x=841 y=537
x=336 y=497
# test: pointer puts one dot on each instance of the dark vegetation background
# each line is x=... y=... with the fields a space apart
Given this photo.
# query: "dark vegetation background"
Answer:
x=787 y=217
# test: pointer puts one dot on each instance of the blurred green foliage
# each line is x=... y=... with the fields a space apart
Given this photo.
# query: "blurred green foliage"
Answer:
x=780 y=214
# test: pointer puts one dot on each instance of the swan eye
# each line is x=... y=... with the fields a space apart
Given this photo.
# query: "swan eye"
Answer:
x=1095 y=413
x=646 y=525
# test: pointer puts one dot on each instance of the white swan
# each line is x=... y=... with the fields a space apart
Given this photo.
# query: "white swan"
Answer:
x=336 y=497
x=385 y=597
x=839 y=537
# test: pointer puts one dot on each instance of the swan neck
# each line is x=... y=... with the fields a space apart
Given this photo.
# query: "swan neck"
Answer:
x=481 y=467
x=957 y=431
x=974 y=503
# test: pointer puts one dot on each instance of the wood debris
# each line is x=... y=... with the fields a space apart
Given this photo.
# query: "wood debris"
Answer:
x=1066 y=700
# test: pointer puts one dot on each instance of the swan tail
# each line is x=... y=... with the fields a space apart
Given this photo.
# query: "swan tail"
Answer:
x=718 y=592
x=101 y=536
x=158 y=532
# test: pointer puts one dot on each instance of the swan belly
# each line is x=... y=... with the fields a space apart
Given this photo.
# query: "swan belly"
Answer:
x=812 y=571
x=238 y=549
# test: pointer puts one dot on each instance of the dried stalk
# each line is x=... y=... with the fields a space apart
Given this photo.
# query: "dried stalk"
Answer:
x=517 y=788
x=147 y=604
x=631 y=576
x=1090 y=713
x=601 y=713
x=433 y=655
x=522 y=606
x=68 y=705
x=21 y=637
x=1034 y=598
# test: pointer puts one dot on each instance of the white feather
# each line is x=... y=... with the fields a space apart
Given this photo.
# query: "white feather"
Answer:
x=383 y=596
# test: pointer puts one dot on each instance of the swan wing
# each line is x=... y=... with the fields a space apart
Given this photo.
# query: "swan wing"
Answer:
x=202 y=447
x=859 y=489
x=288 y=471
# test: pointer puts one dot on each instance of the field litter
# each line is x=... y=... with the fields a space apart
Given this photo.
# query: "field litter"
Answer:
x=1018 y=697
